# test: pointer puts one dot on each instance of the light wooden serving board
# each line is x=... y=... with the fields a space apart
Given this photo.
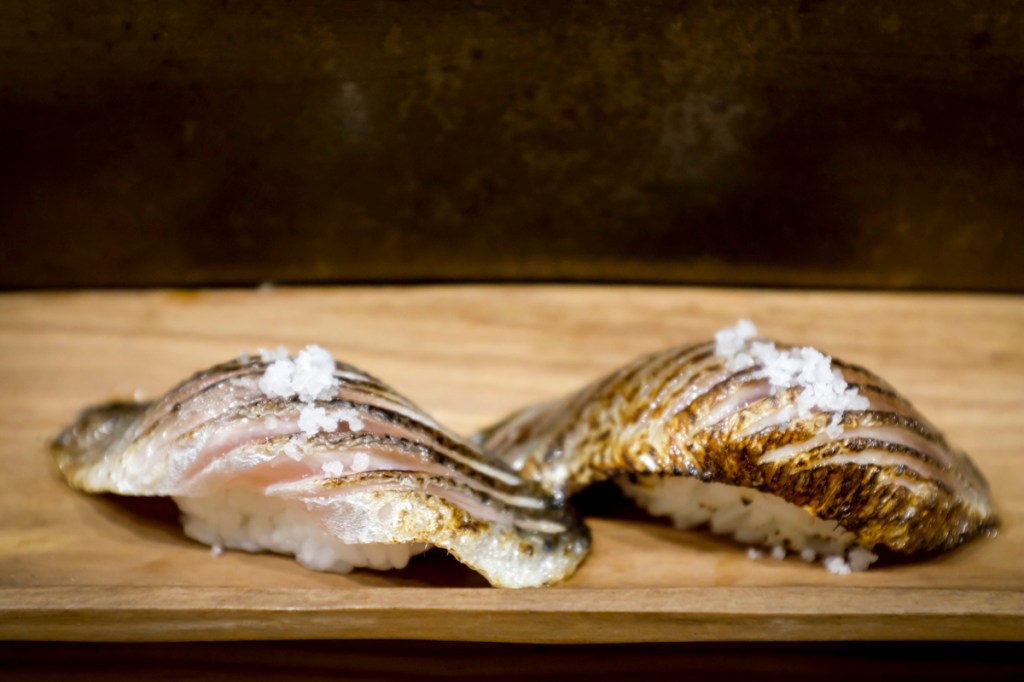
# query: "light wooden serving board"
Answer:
x=75 y=567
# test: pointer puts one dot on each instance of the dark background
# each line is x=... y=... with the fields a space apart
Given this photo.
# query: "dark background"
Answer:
x=798 y=143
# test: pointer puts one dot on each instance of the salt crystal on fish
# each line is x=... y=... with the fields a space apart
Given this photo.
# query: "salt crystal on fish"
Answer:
x=333 y=468
x=835 y=426
x=276 y=381
x=731 y=340
x=313 y=420
x=355 y=423
x=314 y=374
x=310 y=375
x=823 y=388
x=269 y=355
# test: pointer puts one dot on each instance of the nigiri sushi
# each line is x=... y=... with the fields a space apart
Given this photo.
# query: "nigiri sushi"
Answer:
x=317 y=459
x=775 y=445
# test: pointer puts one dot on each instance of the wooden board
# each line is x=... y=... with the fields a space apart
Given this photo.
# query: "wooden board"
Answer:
x=75 y=567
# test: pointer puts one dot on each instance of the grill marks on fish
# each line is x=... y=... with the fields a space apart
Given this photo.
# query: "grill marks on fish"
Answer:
x=371 y=399
x=489 y=509
x=231 y=377
x=885 y=472
x=218 y=430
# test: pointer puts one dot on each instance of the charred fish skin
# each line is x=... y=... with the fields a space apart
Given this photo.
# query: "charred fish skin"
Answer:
x=879 y=469
x=356 y=464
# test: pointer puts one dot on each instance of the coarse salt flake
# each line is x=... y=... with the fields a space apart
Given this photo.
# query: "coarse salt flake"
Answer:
x=276 y=381
x=835 y=426
x=313 y=420
x=333 y=468
x=822 y=387
x=731 y=340
x=314 y=374
x=351 y=417
x=310 y=375
x=837 y=565
x=360 y=462
x=271 y=354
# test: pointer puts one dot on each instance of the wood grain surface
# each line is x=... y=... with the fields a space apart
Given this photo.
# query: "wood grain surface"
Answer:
x=77 y=567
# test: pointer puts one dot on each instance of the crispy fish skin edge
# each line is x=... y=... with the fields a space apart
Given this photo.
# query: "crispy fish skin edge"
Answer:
x=571 y=443
x=506 y=556
x=480 y=544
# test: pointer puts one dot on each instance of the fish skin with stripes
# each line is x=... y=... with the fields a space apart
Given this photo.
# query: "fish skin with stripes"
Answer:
x=775 y=445
x=338 y=469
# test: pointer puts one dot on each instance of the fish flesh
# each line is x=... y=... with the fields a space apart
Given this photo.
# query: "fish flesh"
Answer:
x=315 y=458
x=772 y=444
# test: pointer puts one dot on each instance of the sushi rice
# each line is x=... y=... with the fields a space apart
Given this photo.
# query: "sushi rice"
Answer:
x=750 y=517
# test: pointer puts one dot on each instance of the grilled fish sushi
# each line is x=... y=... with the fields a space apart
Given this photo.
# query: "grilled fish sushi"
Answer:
x=305 y=456
x=774 y=445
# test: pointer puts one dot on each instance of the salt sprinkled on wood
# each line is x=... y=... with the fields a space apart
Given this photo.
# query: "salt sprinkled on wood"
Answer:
x=837 y=565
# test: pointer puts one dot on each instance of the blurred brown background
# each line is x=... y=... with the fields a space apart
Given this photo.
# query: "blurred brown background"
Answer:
x=798 y=143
